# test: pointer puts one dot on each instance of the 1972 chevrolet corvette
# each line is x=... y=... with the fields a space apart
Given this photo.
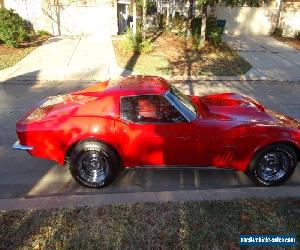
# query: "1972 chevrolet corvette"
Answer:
x=144 y=121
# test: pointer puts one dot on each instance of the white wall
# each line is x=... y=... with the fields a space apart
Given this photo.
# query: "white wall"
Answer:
x=31 y=10
x=290 y=22
x=95 y=17
x=76 y=20
x=246 y=20
x=260 y=21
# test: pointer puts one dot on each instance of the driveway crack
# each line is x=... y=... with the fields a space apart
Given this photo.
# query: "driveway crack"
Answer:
x=74 y=51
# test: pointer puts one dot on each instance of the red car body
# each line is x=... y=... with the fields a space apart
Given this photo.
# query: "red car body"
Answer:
x=230 y=128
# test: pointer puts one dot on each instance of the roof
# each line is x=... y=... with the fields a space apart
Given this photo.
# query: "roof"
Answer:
x=139 y=85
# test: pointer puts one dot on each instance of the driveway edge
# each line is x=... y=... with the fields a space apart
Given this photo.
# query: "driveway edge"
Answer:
x=99 y=200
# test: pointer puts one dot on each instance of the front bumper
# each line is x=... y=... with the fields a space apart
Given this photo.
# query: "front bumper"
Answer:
x=18 y=146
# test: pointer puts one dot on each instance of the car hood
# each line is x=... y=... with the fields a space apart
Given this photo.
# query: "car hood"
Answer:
x=232 y=106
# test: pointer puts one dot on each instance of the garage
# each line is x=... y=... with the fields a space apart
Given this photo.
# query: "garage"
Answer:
x=90 y=17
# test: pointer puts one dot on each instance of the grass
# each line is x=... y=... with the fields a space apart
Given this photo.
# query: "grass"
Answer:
x=10 y=56
x=190 y=225
x=175 y=55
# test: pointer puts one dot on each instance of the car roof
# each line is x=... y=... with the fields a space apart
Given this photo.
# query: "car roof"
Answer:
x=138 y=85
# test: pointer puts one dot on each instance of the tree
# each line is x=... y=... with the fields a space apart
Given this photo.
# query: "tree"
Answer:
x=203 y=5
x=144 y=19
x=190 y=17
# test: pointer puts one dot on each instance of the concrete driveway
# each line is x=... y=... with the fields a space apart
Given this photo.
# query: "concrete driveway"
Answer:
x=269 y=57
x=67 y=58
x=24 y=176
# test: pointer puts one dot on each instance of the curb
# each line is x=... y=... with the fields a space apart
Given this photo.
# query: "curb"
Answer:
x=172 y=78
x=99 y=200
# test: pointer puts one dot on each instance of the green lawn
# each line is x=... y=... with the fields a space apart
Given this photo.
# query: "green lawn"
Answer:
x=190 y=225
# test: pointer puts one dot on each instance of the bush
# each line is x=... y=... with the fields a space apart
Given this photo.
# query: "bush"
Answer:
x=43 y=33
x=297 y=35
x=196 y=27
x=211 y=25
x=151 y=7
x=12 y=28
x=134 y=43
x=178 y=22
x=215 y=36
x=278 y=31
x=161 y=21
x=213 y=32
x=196 y=31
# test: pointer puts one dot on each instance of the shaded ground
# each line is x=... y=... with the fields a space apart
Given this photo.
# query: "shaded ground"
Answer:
x=293 y=42
x=189 y=225
x=10 y=56
x=175 y=55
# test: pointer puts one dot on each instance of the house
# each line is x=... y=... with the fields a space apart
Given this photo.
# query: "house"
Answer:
x=109 y=17
x=170 y=7
x=73 y=17
x=244 y=19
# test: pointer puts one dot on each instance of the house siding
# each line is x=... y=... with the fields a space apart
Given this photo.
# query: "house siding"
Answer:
x=30 y=11
x=65 y=17
x=261 y=21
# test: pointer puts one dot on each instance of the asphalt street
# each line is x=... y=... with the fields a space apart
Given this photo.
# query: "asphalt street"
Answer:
x=24 y=176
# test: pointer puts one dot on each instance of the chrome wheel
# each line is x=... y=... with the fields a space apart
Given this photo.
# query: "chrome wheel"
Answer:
x=94 y=166
x=274 y=165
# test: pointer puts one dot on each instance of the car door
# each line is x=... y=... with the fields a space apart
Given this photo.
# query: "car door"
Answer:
x=153 y=132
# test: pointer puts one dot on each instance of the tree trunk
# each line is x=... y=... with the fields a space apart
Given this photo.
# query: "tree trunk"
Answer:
x=279 y=14
x=144 y=19
x=203 y=26
x=189 y=19
x=134 y=16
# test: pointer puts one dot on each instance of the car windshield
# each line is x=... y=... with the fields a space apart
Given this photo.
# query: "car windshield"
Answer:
x=183 y=103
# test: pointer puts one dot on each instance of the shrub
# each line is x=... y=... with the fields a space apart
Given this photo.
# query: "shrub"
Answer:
x=278 y=31
x=43 y=33
x=178 y=22
x=213 y=32
x=297 y=35
x=161 y=21
x=215 y=36
x=151 y=7
x=12 y=28
x=134 y=43
x=196 y=32
x=196 y=27
x=211 y=25
x=146 y=46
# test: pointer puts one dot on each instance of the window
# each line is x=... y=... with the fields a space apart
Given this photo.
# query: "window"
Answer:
x=184 y=99
x=149 y=108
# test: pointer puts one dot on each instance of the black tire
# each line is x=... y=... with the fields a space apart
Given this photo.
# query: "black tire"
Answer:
x=273 y=165
x=94 y=164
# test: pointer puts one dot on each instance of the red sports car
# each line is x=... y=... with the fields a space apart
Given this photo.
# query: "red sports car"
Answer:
x=144 y=121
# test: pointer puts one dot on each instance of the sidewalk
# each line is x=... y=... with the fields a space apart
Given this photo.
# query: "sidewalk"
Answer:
x=164 y=196
x=270 y=58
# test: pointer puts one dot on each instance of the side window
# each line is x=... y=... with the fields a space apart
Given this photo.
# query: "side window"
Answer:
x=149 y=108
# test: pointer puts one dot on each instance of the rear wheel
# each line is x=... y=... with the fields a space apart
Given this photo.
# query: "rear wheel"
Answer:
x=273 y=165
x=94 y=164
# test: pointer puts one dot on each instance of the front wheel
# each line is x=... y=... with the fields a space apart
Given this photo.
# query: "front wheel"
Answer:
x=94 y=164
x=273 y=165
